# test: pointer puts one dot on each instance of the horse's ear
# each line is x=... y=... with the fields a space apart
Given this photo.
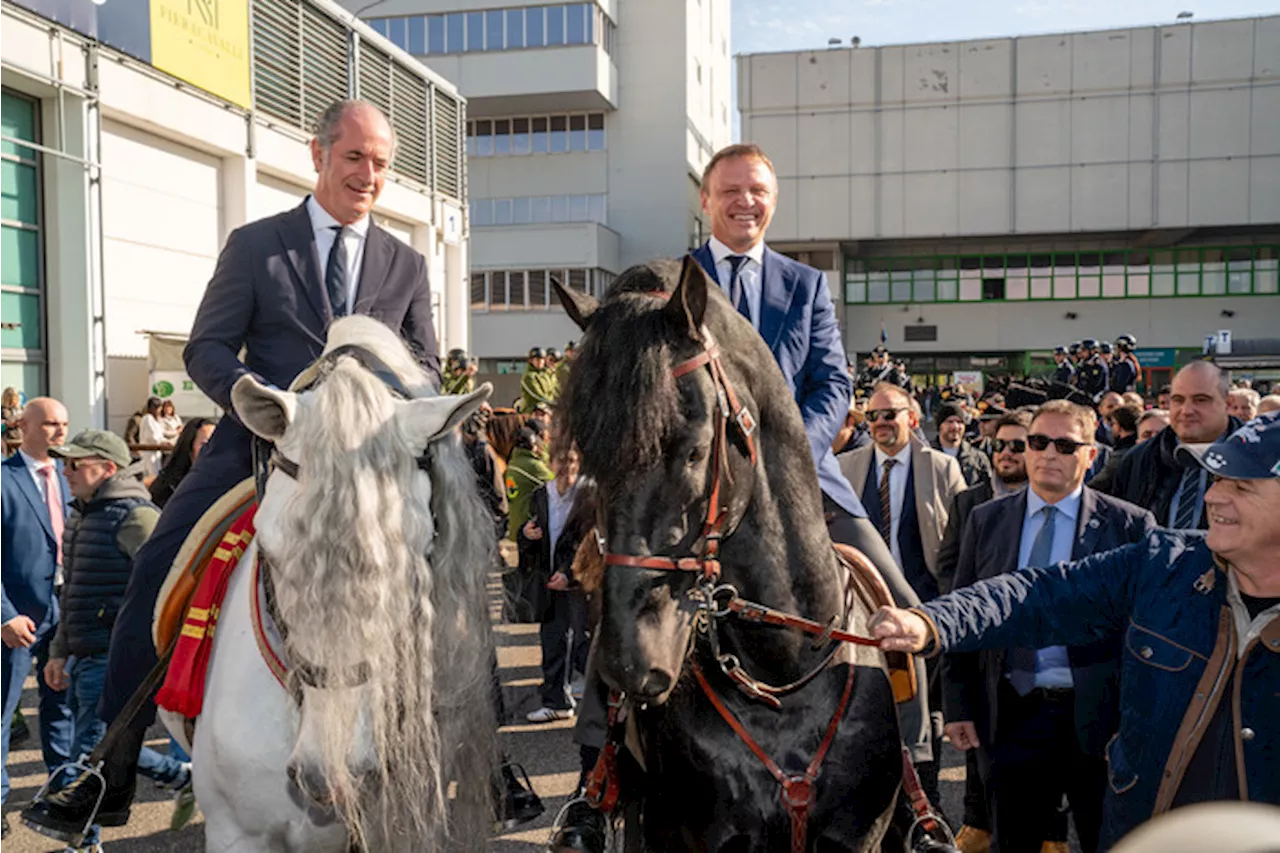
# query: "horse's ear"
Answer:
x=428 y=418
x=688 y=304
x=579 y=306
x=266 y=411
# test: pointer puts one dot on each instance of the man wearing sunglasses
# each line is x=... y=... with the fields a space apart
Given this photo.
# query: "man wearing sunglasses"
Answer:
x=1040 y=717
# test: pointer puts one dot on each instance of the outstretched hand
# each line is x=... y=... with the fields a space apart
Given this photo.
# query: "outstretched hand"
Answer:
x=899 y=630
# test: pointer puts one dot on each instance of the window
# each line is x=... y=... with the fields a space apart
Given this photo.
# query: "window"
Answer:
x=534 y=23
x=520 y=136
x=484 y=138
x=539 y=142
x=536 y=135
x=493 y=30
x=21 y=251
x=576 y=26
x=417 y=35
x=595 y=132
x=398 y=32
x=559 y=133
x=538 y=210
x=475 y=30
x=455 y=29
x=479 y=291
x=530 y=289
x=435 y=34
x=501 y=137
x=555 y=25
x=578 y=133
x=515 y=28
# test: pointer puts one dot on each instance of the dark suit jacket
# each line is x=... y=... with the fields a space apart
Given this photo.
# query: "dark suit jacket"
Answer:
x=267 y=296
x=989 y=547
x=957 y=518
x=536 y=559
x=29 y=551
x=798 y=322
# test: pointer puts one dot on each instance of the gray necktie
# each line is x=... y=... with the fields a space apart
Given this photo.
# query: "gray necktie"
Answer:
x=1188 y=500
x=335 y=273
x=1022 y=662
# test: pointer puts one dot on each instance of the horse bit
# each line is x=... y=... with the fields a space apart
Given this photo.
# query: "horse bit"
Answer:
x=267 y=458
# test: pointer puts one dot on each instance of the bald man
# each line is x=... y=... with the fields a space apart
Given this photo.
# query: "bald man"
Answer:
x=34 y=501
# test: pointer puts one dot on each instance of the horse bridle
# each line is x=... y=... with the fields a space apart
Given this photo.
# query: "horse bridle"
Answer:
x=268 y=458
x=731 y=411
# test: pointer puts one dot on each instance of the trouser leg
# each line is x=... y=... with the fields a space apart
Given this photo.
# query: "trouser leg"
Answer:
x=554 y=637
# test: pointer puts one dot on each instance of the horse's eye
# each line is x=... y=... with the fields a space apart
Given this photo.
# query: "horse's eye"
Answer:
x=697 y=455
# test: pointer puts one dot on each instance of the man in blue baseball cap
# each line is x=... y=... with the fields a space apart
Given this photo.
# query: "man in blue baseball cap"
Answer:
x=1197 y=618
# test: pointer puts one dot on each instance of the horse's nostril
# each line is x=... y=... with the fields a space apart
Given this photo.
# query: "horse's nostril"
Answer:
x=655 y=683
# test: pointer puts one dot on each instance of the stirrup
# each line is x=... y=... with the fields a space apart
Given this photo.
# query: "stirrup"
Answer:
x=82 y=765
x=556 y=825
x=918 y=824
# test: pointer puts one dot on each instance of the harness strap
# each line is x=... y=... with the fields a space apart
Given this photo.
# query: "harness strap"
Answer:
x=915 y=793
x=750 y=611
x=797 y=789
x=602 y=783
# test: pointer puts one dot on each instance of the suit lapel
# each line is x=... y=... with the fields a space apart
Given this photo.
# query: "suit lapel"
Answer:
x=707 y=261
x=374 y=267
x=18 y=471
x=922 y=467
x=775 y=297
x=300 y=245
x=1089 y=525
x=861 y=463
x=1011 y=537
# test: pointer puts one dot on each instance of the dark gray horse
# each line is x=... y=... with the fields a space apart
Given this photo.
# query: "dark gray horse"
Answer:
x=644 y=405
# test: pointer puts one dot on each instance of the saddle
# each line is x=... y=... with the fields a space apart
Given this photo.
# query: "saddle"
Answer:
x=870 y=587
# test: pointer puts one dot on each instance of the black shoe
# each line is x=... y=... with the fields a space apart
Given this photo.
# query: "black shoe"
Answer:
x=66 y=814
x=19 y=731
x=583 y=830
x=519 y=802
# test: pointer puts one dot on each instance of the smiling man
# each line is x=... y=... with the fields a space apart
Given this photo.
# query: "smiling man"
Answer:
x=1200 y=618
x=279 y=283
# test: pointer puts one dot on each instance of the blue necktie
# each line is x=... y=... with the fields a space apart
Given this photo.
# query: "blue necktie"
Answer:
x=335 y=274
x=1188 y=500
x=1022 y=662
x=738 y=293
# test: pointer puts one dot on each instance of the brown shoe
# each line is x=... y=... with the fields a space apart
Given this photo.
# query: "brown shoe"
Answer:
x=1055 y=847
x=972 y=840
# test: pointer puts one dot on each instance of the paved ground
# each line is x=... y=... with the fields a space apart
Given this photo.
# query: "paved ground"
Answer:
x=546 y=751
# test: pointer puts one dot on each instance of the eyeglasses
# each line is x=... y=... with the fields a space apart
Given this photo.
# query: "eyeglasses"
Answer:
x=74 y=465
x=1013 y=445
x=1065 y=446
x=874 y=415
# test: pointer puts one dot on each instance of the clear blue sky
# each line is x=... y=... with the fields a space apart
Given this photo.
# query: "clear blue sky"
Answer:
x=769 y=25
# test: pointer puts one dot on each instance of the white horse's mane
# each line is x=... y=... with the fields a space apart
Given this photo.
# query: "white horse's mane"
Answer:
x=383 y=566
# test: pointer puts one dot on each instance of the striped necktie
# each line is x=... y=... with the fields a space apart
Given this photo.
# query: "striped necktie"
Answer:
x=1188 y=500
x=335 y=273
x=886 y=502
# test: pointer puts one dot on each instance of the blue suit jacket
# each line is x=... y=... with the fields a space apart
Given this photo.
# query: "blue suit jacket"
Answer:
x=989 y=548
x=798 y=322
x=30 y=552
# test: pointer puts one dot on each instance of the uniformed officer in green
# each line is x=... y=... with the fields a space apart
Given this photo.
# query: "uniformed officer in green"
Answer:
x=538 y=385
x=526 y=471
x=562 y=369
x=450 y=371
x=462 y=378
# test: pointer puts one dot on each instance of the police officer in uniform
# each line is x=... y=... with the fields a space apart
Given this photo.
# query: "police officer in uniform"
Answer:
x=1124 y=365
x=1092 y=375
x=1073 y=351
x=1104 y=350
x=538 y=385
x=1065 y=372
x=562 y=369
x=460 y=377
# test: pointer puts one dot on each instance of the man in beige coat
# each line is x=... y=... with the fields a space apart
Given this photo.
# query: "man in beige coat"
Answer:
x=908 y=489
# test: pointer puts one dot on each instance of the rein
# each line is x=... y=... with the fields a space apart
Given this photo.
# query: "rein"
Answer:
x=268 y=459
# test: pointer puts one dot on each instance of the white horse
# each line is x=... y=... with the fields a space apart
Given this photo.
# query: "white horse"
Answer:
x=377 y=552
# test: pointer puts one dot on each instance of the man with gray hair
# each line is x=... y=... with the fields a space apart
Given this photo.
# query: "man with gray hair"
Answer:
x=279 y=283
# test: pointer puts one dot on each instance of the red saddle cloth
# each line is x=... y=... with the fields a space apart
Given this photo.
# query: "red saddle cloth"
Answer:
x=183 y=690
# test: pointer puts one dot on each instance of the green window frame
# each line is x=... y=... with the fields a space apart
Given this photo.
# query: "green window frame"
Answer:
x=23 y=324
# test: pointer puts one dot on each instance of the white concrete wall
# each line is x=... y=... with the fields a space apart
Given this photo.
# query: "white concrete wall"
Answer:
x=1099 y=131
x=1016 y=326
x=570 y=244
x=175 y=181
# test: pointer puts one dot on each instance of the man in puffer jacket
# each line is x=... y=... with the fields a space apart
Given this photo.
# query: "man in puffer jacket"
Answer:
x=111 y=517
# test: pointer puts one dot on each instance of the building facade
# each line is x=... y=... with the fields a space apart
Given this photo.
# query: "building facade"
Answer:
x=588 y=127
x=983 y=201
x=133 y=146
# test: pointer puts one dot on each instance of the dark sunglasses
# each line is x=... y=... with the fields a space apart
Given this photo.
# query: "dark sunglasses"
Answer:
x=874 y=415
x=1013 y=445
x=74 y=465
x=1065 y=446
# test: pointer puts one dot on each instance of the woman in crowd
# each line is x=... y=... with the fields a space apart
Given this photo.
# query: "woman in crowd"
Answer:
x=169 y=421
x=195 y=434
x=151 y=435
x=11 y=405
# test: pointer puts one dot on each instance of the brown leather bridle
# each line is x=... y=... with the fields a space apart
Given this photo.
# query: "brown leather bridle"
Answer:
x=707 y=564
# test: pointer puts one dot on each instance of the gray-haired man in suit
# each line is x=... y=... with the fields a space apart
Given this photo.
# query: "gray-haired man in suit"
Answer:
x=278 y=285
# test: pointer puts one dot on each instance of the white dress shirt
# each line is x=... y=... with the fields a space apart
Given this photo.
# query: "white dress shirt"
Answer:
x=558 y=507
x=354 y=236
x=749 y=274
x=897 y=491
x=1053 y=667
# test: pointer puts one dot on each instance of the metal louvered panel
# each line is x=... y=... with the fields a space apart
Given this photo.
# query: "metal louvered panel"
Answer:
x=324 y=64
x=373 y=77
x=447 y=138
x=409 y=118
x=277 y=59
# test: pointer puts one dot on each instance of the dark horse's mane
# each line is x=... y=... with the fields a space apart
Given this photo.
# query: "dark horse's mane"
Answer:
x=642 y=373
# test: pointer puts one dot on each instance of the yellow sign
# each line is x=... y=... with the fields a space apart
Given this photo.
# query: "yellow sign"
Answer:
x=204 y=42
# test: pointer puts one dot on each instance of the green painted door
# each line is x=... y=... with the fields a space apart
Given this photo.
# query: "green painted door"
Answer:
x=22 y=303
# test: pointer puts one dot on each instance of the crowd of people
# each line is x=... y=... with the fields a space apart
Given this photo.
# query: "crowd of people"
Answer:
x=1062 y=685
x=76 y=512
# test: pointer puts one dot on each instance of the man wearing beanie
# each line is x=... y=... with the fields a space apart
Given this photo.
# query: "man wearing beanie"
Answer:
x=951 y=419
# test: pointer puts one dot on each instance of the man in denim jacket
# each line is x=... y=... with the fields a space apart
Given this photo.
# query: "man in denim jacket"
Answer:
x=1200 y=675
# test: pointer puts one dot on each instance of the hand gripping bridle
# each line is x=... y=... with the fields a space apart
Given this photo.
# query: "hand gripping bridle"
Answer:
x=731 y=410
